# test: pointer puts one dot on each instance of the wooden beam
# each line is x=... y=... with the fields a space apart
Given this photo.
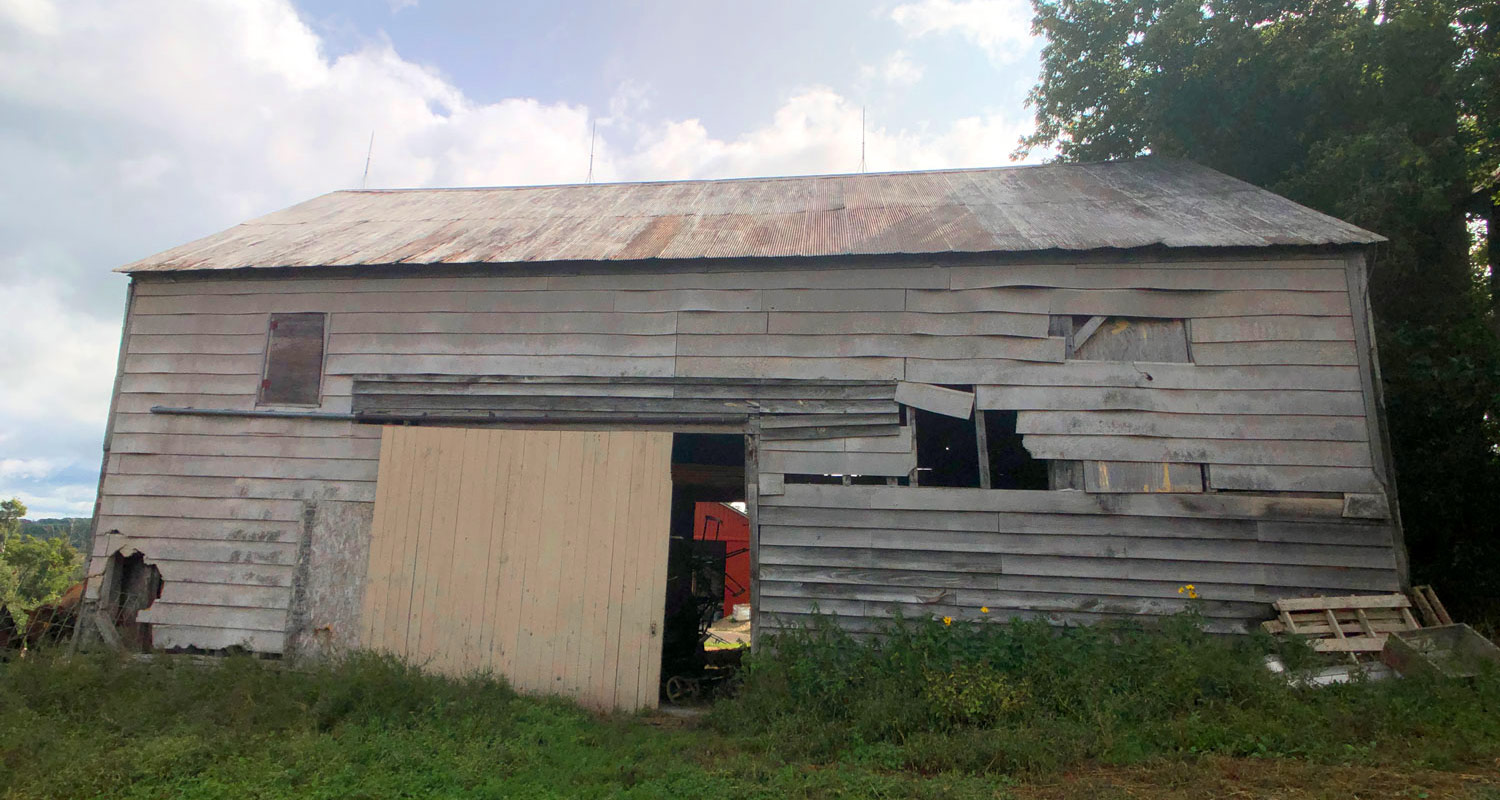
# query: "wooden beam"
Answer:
x=948 y=402
x=1084 y=332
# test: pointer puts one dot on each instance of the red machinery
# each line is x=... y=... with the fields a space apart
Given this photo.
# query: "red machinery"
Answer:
x=718 y=525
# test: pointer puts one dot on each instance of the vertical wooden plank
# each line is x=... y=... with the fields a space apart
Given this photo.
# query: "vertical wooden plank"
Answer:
x=982 y=441
x=533 y=651
x=418 y=522
x=377 y=574
x=574 y=568
x=503 y=468
x=657 y=538
x=522 y=483
x=752 y=511
x=437 y=565
x=623 y=454
x=476 y=510
x=594 y=572
x=631 y=633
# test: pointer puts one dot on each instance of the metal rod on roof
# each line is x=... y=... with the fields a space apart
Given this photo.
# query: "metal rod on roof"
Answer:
x=593 y=133
x=368 y=153
x=861 y=138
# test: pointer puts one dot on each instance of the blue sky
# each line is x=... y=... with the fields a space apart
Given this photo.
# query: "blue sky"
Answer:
x=130 y=127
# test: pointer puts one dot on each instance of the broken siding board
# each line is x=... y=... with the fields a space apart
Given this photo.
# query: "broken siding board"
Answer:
x=937 y=399
x=1292 y=479
x=1177 y=401
x=910 y=323
x=171 y=637
x=1125 y=476
x=1291 y=353
x=1272 y=328
x=1209 y=451
x=1367 y=506
x=894 y=464
x=1193 y=426
x=810 y=346
x=1173 y=304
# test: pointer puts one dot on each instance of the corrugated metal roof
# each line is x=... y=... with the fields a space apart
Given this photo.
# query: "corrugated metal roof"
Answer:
x=1122 y=204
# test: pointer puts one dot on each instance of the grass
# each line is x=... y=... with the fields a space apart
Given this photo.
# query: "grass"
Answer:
x=991 y=711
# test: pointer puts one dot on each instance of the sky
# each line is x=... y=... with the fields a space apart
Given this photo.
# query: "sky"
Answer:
x=133 y=126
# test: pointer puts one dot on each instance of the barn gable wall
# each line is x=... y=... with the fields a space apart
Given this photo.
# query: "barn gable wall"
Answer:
x=1279 y=399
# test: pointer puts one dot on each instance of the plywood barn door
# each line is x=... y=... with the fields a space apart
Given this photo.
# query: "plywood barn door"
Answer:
x=540 y=556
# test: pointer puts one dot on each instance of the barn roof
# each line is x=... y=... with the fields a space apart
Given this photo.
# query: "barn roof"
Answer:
x=1121 y=204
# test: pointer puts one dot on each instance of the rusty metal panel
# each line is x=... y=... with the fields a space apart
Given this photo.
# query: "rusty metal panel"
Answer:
x=1126 y=204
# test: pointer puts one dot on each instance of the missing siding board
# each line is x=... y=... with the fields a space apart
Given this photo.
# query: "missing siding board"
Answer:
x=1131 y=339
x=1011 y=465
x=294 y=360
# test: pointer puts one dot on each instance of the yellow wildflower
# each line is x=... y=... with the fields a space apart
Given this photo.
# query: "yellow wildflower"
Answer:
x=984 y=609
x=1190 y=590
x=947 y=620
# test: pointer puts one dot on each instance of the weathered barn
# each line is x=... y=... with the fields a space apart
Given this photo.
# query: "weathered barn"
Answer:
x=458 y=424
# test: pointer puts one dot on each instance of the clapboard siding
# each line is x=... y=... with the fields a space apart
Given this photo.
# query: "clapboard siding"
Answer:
x=1273 y=404
x=1086 y=560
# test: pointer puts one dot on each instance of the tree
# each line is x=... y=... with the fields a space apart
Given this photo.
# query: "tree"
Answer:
x=1386 y=114
x=32 y=571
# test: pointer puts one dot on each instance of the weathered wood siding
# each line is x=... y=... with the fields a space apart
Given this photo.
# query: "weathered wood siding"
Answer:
x=866 y=551
x=1274 y=402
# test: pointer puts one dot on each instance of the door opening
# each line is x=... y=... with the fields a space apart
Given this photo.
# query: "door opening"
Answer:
x=708 y=594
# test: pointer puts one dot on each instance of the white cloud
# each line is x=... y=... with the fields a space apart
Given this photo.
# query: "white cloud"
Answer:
x=1001 y=27
x=138 y=126
x=898 y=71
x=27 y=467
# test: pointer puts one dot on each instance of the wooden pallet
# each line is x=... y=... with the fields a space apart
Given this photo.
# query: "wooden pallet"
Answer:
x=1433 y=612
x=1353 y=624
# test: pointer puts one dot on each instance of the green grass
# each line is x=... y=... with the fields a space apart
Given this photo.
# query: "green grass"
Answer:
x=981 y=711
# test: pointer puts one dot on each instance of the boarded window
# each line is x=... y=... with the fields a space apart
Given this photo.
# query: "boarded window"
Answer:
x=294 y=360
x=1129 y=339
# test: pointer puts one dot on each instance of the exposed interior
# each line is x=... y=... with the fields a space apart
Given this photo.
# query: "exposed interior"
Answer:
x=707 y=565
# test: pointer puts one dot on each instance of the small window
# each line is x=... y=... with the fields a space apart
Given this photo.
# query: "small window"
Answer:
x=948 y=452
x=294 y=360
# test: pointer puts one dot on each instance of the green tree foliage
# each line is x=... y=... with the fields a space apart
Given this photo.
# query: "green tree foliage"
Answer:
x=1383 y=114
x=33 y=571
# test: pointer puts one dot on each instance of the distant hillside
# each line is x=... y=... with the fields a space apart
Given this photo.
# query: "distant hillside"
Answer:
x=73 y=529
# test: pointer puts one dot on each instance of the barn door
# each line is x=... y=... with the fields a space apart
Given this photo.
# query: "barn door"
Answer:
x=537 y=555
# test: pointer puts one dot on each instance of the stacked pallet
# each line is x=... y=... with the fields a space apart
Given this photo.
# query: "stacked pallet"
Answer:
x=1358 y=624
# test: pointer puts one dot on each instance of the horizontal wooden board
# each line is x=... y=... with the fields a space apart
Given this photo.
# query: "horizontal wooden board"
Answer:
x=189 y=444
x=261 y=488
x=855 y=368
x=689 y=300
x=1193 y=426
x=826 y=411
x=1326 y=276
x=515 y=322
x=1195 y=304
x=256 y=619
x=811 y=346
x=189 y=324
x=183 y=549
x=1288 y=577
x=869 y=278
x=914 y=521
x=881 y=418
x=191 y=383
x=220 y=508
x=1175 y=401
x=1018 y=300
x=501 y=365
x=721 y=322
x=303 y=284
x=1157 y=375
x=875 y=557
x=1199 y=451
x=215 y=343
x=367 y=302
x=1252 y=353
x=242 y=426
x=909 y=323
x=206 y=529
x=172 y=637
x=1292 y=479
x=481 y=344
x=175 y=363
x=221 y=594
x=1130 y=477
x=1037 y=501
x=215 y=572
x=836 y=300
x=1272 y=328
x=899 y=443
x=327 y=469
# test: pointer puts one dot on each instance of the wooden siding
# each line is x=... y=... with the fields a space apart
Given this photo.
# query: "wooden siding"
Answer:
x=865 y=552
x=1276 y=404
x=537 y=555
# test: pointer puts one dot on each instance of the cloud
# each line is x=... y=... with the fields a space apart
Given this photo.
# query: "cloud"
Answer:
x=898 y=71
x=134 y=127
x=1001 y=27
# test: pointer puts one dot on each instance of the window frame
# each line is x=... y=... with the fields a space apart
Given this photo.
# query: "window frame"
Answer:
x=265 y=364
